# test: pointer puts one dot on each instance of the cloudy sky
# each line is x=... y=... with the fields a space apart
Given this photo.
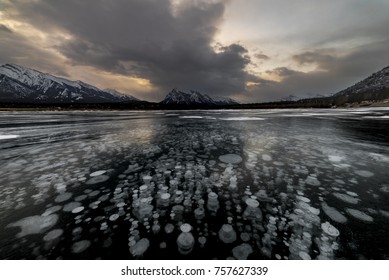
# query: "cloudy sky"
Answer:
x=251 y=50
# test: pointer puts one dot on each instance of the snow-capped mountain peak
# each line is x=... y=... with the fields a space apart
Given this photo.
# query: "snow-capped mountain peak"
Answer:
x=120 y=94
x=194 y=98
x=225 y=100
x=22 y=84
x=32 y=77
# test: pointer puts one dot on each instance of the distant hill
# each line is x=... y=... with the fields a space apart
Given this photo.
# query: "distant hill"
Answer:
x=194 y=99
x=372 y=89
x=21 y=84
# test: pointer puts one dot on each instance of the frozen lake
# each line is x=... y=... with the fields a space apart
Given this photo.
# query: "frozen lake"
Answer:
x=256 y=184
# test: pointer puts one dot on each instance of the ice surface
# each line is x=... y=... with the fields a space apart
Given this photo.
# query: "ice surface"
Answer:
x=80 y=246
x=335 y=158
x=94 y=193
x=98 y=173
x=313 y=181
x=242 y=251
x=266 y=157
x=10 y=136
x=34 y=224
x=303 y=198
x=359 y=215
x=185 y=243
x=227 y=234
x=53 y=234
x=364 y=173
x=78 y=210
x=242 y=119
x=140 y=247
x=289 y=166
x=346 y=198
x=113 y=217
x=97 y=180
x=384 y=213
x=352 y=193
x=51 y=210
x=169 y=228
x=252 y=202
x=304 y=255
x=333 y=214
x=330 y=229
x=63 y=197
x=185 y=227
x=71 y=206
x=80 y=198
x=385 y=188
x=191 y=117
x=231 y=158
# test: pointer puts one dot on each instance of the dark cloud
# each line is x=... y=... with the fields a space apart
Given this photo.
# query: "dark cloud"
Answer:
x=146 y=39
x=20 y=50
x=174 y=46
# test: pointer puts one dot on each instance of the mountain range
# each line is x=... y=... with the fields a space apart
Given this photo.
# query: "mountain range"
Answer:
x=21 y=85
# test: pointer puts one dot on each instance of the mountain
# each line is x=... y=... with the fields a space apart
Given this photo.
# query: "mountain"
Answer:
x=123 y=96
x=194 y=99
x=20 y=84
x=373 y=88
x=220 y=100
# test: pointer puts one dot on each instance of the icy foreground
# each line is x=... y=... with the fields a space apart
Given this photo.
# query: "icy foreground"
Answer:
x=274 y=184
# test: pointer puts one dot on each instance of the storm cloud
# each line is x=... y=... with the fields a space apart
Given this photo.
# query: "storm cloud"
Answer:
x=251 y=50
x=170 y=46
